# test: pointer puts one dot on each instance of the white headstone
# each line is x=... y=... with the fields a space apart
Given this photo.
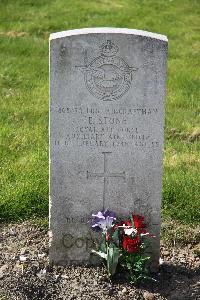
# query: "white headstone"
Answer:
x=107 y=89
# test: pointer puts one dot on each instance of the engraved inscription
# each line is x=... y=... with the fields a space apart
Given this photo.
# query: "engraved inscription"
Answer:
x=107 y=77
x=105 y=175
x=69 y=241
x=107 y=128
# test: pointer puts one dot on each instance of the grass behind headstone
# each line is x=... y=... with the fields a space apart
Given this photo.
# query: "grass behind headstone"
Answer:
x=24 y=30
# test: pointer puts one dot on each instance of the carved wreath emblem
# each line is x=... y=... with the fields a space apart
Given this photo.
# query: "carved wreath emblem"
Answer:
x=108 y=77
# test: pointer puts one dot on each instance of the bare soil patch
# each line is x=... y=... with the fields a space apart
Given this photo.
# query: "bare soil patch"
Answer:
x=25 y=273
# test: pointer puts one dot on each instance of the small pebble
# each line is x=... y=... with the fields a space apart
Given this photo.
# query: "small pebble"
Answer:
x=57 y=277
x=111 y=291
x=3 y=270
x=41 y=255
x=124 y=291
x=65 y=276
x=23 y=251
x=22 y=258
x=42 y=273
x=148 y=296
x=161 y=261
x=166 y=253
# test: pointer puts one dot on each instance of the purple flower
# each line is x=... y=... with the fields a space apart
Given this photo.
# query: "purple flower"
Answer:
x=103 y=220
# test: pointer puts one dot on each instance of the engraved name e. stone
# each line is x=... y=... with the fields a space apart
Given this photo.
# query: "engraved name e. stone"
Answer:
x=107 y=89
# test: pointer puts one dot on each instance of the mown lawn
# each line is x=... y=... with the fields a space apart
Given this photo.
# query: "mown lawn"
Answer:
x=25 y=26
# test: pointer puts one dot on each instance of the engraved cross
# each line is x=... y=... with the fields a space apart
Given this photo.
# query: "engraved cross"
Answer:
x=105 y=175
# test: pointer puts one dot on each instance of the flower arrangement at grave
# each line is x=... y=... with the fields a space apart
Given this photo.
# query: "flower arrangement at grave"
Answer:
x=122 y=244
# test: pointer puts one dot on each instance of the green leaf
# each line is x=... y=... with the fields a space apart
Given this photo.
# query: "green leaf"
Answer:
x=102 y=254
x=113 y=255
x=103 y=245
x=132 y=222
x=115 y=237
x=129 y=266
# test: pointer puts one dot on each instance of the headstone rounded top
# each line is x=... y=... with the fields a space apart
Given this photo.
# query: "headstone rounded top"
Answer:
x=107 y=89
x=82 y=31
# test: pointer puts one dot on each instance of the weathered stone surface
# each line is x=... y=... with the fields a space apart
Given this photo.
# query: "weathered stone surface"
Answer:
x=107 y=89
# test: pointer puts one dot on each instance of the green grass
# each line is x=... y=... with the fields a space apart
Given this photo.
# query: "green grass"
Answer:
x=25 y=26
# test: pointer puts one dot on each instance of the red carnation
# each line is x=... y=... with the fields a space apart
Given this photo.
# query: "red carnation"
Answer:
x=138 y=223
x=128 y=223
x=131 y=245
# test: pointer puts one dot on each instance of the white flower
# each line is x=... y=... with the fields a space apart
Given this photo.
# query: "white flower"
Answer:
x=130 y=231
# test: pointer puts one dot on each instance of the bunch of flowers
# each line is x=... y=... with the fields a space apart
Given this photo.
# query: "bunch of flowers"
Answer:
x=122 y=243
